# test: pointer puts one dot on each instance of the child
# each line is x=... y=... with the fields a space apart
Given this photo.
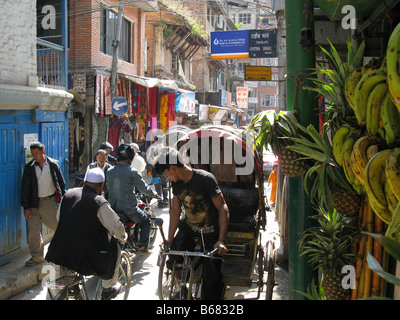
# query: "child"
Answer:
x=273 y=178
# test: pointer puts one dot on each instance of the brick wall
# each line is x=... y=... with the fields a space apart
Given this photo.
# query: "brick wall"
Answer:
x=17 y=41
x=85 y=51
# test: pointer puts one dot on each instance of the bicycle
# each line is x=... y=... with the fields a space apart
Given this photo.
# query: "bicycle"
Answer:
x=74 y=287
x=168 y=286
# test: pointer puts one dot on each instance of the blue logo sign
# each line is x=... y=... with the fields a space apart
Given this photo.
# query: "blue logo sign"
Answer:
x=230 y=45
x=119 y=106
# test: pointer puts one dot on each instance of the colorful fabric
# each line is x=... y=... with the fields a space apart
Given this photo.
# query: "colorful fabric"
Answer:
x=153 y=101
x=114 y=131
x=107 y=97
x=164 y=112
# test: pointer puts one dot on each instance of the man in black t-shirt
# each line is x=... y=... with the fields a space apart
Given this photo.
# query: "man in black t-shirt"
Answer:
x=198 y=198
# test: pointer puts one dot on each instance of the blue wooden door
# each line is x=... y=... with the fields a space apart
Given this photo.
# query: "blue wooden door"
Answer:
x=10 y=185
x=53 y=136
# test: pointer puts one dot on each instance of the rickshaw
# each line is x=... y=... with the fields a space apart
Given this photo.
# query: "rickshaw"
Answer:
x=239 y=172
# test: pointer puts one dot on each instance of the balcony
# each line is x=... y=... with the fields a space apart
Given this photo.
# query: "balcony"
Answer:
x=51 y=65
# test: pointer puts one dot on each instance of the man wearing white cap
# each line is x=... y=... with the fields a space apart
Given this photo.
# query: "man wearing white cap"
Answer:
x=86 y=237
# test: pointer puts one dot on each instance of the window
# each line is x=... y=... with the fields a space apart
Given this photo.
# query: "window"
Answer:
x=245 y=18
x=108 y=25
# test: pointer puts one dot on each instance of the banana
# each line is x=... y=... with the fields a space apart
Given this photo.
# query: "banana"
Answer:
x=373 y=110
x=375 y=176
x=359 y=173
x=337 y=142
x=360 y=150
x=391 y=119
x=393 y=230
x=392 y=61
x=372 y=150
x=346 y=151
x=392 y=171
x=358 y=187
x=375 y=183
x=395 y=96
x=362 y=91
x=350 y=85
x=390 y=196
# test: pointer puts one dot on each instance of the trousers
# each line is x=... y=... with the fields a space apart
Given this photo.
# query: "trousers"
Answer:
x=46 y=213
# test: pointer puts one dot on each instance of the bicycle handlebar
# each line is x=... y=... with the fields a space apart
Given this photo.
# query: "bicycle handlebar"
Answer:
x=210 y=254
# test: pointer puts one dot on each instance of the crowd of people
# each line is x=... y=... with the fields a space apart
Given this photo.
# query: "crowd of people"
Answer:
x=86 y=220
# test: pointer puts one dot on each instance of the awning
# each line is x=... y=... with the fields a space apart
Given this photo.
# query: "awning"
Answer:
x=155 y=82
x=219 y=115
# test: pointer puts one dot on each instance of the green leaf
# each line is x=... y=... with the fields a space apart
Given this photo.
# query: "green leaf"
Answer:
x=376 y=267
x=391 y=246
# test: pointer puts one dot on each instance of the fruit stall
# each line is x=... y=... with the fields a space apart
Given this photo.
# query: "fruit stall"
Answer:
x=351 y=171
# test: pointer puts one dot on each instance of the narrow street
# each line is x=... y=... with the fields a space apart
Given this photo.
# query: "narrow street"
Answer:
x=145 y=273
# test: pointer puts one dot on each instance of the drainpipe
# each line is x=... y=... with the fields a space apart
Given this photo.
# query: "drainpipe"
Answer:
x=299 y=206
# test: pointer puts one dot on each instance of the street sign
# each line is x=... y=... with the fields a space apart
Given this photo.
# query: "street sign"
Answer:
x=119 y=106
x=262 y=43
x=257 y=73
x=230 y=45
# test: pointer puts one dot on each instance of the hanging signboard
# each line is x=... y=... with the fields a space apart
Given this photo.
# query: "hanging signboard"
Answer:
x=242 y=97
x=257 y=73
x=230 y=45
x=262 y=43
x=187 y=102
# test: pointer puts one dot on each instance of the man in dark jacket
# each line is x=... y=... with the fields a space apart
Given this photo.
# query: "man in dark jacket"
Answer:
x=42 y=188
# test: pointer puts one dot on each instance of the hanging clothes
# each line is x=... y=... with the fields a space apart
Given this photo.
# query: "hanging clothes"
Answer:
x=153 y=92
x=171 y=109
x=101 y=96
x=114 y=131
x=97 y=96
x=107 y=96
x=164 y=111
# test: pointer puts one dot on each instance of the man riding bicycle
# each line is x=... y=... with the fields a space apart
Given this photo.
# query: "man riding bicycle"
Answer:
x=85 y=240
x=122 y=180
x=198 y=197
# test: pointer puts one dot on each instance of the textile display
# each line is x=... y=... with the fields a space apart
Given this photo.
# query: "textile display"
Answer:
x=97 y=96
x=114 y=131
x=164 y=112
x=153 y=92
x=107 y=96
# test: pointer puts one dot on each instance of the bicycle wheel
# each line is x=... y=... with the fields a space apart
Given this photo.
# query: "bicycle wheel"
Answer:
x=270 y=279
x=125 y=276
x=167 y=286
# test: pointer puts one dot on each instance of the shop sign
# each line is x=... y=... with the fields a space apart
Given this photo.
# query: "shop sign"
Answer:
x=187 y=102
x=242 y=97
x=229 y=45
x=262 y=43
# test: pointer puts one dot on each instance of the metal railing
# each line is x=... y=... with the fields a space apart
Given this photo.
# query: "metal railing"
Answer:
x=50 y=64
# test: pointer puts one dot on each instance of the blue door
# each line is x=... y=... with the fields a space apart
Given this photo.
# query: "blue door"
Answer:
x=53 y=136
x=10 y=184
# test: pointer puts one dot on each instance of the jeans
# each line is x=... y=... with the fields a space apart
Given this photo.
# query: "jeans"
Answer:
x=141 y=219
x=213 y=287
x=161 y=189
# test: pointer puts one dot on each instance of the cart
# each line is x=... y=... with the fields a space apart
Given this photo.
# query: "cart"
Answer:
x=238 y=170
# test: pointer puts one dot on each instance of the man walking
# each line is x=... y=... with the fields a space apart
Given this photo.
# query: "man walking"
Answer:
x=42 y=187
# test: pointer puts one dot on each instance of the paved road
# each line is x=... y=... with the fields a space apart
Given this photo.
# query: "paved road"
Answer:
x=145 y=273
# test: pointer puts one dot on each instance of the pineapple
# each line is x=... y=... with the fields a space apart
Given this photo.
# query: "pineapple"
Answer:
x=275 y=132
x=347 y=202
x=332 y=287
x=291 y=163
x=328 y=248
